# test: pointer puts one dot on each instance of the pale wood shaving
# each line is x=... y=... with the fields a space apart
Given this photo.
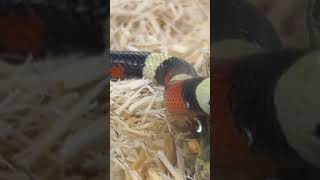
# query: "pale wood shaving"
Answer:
x=28 y=156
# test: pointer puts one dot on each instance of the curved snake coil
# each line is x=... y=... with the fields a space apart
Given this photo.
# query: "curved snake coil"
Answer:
x=185 y=92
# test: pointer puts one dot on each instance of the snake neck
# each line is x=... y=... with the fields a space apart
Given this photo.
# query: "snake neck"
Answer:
x=245 y=118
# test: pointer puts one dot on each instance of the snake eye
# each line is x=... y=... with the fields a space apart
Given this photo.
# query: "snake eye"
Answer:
x=247 y=135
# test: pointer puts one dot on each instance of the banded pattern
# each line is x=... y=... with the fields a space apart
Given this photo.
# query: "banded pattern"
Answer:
x=185 y=91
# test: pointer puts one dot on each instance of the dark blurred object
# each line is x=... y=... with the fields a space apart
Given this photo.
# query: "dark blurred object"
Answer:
x=63 y=26
x=238 y=19
x=313 y=22
x=21 y=34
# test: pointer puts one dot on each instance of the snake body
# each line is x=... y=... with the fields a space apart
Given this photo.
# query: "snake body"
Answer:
x=185 y=92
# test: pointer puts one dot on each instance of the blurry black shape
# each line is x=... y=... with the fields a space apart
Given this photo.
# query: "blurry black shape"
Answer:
x=69 y=25
x=238 y=19
x=318 y=131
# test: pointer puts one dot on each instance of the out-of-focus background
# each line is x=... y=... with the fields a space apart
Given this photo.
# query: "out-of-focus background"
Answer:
x=291 y=19
x=53 y=108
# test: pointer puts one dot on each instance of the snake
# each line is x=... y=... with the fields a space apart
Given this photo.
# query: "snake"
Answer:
x=261 y=104
x=185 y=91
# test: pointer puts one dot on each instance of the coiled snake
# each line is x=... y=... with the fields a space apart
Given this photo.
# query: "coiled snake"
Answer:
x=185 y=91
